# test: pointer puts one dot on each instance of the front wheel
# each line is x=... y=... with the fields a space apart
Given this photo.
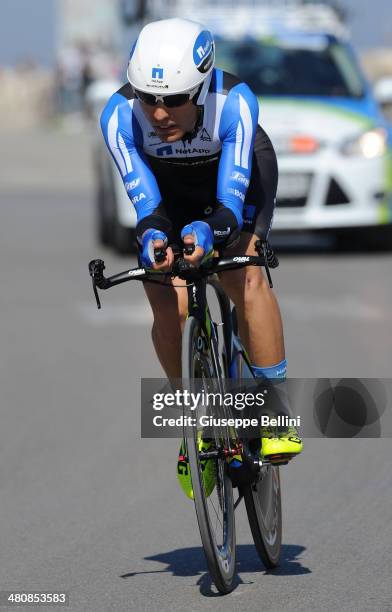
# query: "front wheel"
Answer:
x=214 y=510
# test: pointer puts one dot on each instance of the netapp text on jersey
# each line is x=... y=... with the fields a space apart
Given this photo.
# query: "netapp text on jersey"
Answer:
x=191 y=151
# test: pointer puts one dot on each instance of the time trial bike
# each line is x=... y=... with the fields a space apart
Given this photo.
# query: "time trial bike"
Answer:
x=212 y=355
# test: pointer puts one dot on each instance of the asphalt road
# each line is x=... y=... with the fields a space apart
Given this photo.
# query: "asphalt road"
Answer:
x=88 y=507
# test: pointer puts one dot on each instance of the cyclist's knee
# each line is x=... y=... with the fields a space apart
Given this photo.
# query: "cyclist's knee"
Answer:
x=244 y=286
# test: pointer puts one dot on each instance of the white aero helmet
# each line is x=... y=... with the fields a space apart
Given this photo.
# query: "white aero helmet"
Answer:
x=172 y=56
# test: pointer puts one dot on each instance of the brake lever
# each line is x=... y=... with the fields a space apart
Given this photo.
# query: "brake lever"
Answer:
x=96 y=295
x=96 y=268
x=262 y=244
x=189 y=249
x=160 y=254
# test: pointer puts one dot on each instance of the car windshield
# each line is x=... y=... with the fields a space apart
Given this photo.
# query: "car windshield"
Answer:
x=277 y=70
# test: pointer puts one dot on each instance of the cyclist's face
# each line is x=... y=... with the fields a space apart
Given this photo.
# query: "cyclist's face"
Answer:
x=171 y=124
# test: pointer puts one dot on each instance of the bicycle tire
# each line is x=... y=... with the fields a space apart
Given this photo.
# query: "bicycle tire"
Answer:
x=263 y=501
x=264 y=509
x=220 y=559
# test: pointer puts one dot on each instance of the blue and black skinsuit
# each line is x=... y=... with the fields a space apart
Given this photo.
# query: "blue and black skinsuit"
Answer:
x=224 y=172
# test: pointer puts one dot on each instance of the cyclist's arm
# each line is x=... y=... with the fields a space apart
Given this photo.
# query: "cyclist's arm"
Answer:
x=237 y=132
x=124 y=139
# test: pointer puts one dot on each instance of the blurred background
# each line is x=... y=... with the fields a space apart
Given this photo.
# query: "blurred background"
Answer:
x=88 y=506
x=61 y=60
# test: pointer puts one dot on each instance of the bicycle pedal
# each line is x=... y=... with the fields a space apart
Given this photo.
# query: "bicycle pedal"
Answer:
x=280 y=459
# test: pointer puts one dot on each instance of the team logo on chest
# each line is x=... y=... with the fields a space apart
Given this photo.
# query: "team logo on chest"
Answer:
x=205 y=135
x=167 y=150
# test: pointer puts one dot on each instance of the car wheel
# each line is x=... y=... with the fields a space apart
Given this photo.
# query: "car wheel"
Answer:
x=124 y=239
x=104 y=202
x=103 y=222
x=349 y=240
x=378 y=238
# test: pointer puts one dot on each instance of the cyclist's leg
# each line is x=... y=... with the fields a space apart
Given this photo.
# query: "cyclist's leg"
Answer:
x=258 y=314
x=260 y=328
x=169 y=307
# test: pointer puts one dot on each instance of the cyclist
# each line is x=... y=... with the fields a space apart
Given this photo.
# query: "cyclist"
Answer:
x=199 y=170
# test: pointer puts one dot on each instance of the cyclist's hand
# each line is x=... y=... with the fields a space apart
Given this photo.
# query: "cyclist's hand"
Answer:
x=199 y=234
x=167 y=263
x=153 y=240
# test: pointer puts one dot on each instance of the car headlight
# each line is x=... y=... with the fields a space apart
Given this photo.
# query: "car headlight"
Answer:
x=370 y=144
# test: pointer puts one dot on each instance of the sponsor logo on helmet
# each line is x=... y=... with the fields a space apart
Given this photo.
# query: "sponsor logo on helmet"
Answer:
x=157 y=73
x=156 y=86
x=132 y=184
x=203 y=51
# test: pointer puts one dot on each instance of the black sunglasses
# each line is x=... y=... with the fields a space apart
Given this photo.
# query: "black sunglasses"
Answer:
x=169 y=101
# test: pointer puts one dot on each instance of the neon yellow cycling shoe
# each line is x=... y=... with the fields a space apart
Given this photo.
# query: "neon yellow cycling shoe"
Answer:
x=279 y=448
x=184 y=473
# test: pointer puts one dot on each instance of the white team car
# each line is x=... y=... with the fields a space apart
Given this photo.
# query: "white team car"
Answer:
x=333 y=143
x=115 y=217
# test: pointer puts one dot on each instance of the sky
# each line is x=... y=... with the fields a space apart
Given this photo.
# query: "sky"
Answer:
x=370 y=22
x=28 y=27
x=27 y=30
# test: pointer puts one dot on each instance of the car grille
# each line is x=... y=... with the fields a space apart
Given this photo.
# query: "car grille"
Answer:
x=293 y=189
x=336 y=195
x=291 y=202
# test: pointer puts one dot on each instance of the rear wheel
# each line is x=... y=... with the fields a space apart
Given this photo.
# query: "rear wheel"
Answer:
x=215 y=512
x=262 y=498
x=264 y=510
